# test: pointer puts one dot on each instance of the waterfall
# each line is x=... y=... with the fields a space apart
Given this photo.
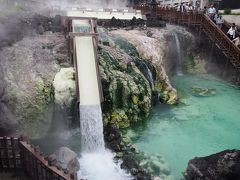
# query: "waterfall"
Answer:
x=179 y=70
x=91 y=126
x=150 y=77
x=97 y=163
x=146 y=71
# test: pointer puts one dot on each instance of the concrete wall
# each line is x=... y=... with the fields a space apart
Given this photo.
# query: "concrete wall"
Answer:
x=232 y=19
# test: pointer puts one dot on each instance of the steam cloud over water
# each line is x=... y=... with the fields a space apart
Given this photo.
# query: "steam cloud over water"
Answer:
x=71 y=3
x=90 y=3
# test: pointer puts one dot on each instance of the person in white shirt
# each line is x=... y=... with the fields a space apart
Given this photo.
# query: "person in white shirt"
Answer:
x=232 y=32
x=215 y=17
x=186 y=7
x=211 y=11
x=219 y=22
x=178 y=8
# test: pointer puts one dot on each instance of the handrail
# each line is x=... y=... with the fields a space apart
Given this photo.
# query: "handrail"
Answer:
x=219 y=31
x=228 y=25
x=232 y=47
x=17 y=153
x=195 y=18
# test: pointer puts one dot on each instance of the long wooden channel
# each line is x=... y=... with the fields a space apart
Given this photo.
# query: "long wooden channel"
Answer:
x=83 y=46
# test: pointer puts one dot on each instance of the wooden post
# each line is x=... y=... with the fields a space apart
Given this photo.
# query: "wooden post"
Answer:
x=6 y=151
x=14 y=153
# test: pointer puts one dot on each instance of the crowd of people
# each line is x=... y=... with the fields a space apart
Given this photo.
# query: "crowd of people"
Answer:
x=187 y=7
x=213 y=14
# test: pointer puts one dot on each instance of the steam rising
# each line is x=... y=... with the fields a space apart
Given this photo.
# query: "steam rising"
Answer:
x=89 y=3
x=40 y=5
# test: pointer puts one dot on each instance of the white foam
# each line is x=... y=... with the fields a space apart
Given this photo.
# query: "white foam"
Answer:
x=101 y=166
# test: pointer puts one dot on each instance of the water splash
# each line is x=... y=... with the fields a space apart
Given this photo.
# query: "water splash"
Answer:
x=179 y=70
x=97 y=163
x=101 y=166
x=91 y=126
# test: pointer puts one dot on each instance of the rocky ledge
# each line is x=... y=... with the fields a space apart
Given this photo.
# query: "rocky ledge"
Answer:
x=113 y=139
x=31 y=53
x=221 y=166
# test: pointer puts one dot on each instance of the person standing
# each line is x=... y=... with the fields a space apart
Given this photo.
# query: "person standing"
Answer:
x=232 y=32
x=216 y=16
x=211 y=12
x=220 y=22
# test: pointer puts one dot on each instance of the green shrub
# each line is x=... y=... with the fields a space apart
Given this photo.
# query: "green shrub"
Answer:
x=227 y=11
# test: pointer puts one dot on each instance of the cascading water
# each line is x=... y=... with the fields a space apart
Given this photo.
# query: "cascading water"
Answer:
x=146 y=71
x=91 y=126
x=179 y=70
x=96 y=162
x=150 y=77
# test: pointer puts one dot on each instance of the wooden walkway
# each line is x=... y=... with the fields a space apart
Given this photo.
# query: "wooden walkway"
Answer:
x=18 y=154
x=217 y=36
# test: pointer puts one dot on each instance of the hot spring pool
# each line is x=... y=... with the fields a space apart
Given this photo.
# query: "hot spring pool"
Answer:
x=201 y=125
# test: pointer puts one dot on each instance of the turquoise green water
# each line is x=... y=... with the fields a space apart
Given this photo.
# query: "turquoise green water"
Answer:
x=199 y=127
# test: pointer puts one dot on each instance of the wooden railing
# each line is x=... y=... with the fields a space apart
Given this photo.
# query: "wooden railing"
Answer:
x=10 y=157
x=18 y=154
x=217 y=36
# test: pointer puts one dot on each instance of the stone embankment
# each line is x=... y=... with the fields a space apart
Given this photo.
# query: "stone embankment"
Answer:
x=232 y=19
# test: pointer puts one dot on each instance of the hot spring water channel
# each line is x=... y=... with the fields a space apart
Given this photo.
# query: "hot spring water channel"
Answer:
x=97 y=163
x=200 y=125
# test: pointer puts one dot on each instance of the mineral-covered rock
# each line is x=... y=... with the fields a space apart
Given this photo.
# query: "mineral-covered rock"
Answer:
x=153 y=50
x=221 y=166
x=127 y=92
x=203 y=92
x=137 y=171
x=66 y=158
x=64 y=87
x=28 y=69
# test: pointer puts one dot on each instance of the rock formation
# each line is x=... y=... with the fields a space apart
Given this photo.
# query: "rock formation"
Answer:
x=127 y=92
x=151 y=49
x=28 y=64
x=221 y=166
x=64 y=87
x=65 y=158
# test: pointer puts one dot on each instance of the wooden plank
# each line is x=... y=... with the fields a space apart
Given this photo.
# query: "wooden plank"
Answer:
x=79 y=18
